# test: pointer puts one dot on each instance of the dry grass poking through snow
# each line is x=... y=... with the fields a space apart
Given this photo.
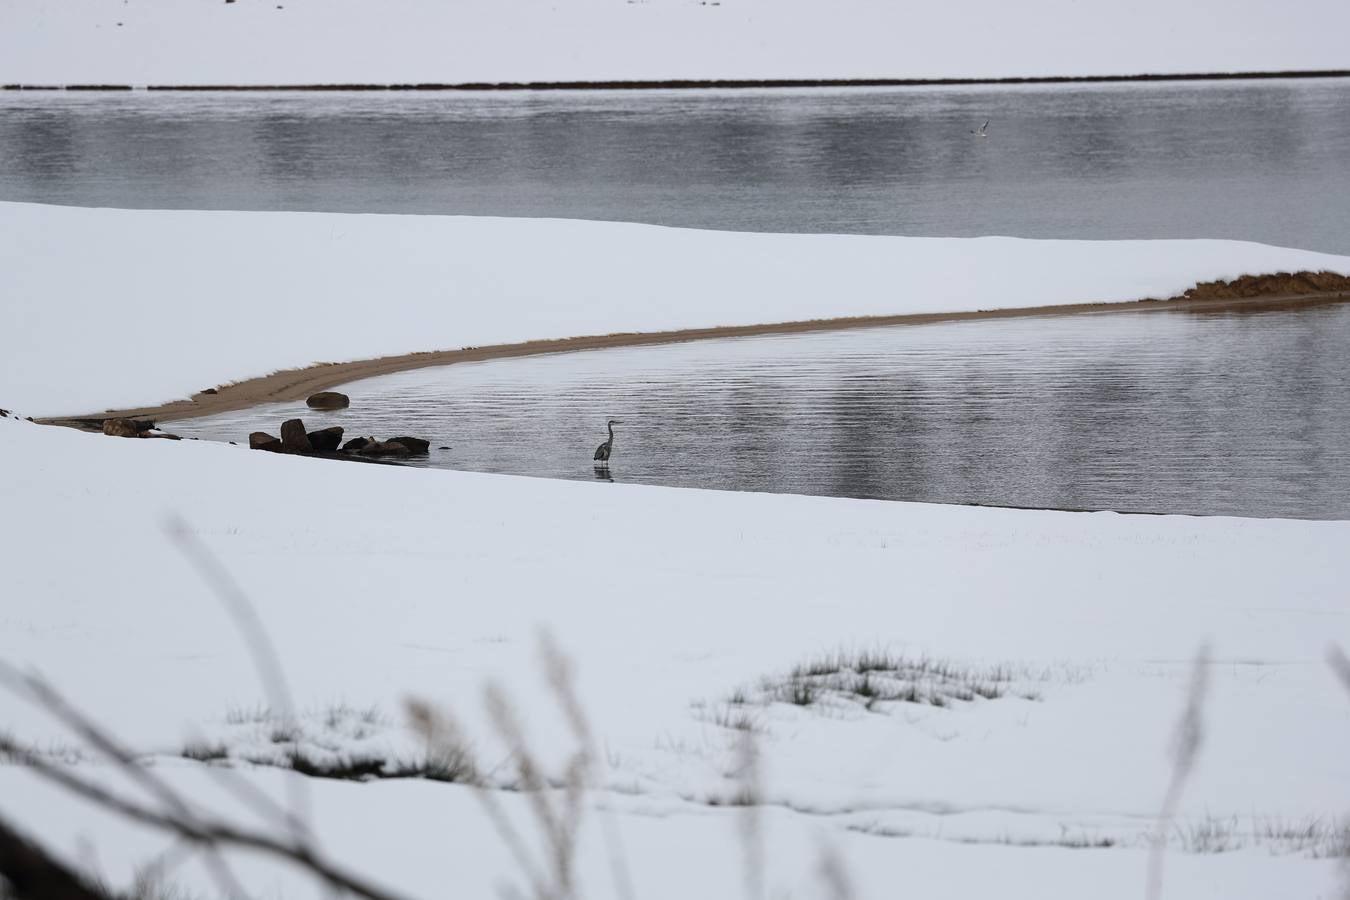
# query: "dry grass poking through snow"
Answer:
x=1312 y=838
x=337 y=741
x=876 y=678
x=556 y=799
x=1316 y=838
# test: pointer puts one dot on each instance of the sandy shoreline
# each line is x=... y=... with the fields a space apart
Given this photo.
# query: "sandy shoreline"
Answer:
x=296 y=384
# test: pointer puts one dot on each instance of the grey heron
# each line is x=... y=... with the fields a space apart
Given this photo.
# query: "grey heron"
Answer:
x=602 y=452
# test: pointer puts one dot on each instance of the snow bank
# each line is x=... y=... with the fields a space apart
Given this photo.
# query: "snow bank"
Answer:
x=355 y=41
x=113 y=308
x=380 y=583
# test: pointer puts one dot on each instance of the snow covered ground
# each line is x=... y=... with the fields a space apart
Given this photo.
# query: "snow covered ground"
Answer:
x=115 y=308
x=363 y=41
x=378 y=584
x=955 y=702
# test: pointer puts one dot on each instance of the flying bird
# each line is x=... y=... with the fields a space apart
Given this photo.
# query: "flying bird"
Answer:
x=602 y=452
x=984 y=130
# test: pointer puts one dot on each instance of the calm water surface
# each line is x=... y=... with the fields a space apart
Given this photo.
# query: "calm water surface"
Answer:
x=1265 y=161
x=1211 y=413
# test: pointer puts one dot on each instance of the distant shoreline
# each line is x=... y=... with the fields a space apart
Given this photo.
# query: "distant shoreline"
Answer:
x=699 y=84
x=297 y=384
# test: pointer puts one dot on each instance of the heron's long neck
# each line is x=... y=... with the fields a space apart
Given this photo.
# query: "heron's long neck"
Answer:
x=611 y=433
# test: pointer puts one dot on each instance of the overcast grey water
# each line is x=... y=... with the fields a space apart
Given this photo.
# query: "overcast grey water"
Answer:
x=1264 y=161
x=1241 y=413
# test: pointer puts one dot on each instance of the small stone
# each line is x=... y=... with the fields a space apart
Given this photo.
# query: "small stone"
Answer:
x=357 y=443
x=384 y=448
x=293 y=436
x=261 y=440
x=326 y=440
x=209 y=391
x=328 y=400
x=416 y=446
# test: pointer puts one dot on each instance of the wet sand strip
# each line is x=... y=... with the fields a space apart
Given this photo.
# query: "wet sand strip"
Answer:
x=297 y=384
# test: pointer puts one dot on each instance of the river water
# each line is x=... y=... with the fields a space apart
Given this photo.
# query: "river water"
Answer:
x=1231 y=412
x=1220 y=412
x=1264 y=161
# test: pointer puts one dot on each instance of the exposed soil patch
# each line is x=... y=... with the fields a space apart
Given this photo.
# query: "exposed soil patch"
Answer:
x=1281 y=284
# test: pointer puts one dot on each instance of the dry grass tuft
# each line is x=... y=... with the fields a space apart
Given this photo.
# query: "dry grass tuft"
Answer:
x=877 y=678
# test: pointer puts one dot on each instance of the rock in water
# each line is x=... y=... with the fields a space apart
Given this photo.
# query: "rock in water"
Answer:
x=328 y=400
x=326 y=439
x=293 y=436
x=261 y=440
x=357 y=443
x=384 y=448
x=416 y=446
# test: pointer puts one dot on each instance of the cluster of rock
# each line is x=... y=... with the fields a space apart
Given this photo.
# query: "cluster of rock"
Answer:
x=295 y=439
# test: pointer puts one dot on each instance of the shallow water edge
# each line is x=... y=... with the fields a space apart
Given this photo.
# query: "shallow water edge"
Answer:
x=296 y=384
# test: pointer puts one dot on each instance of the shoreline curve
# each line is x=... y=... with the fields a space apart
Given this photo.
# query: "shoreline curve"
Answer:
x=296 y=384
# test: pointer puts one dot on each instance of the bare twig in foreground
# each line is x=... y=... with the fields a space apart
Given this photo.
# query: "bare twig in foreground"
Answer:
x=1186 y=743
x=751 y=819
x=833 y=874
x=266 y=660
x=1340 y=664
x=200 y=830
x=556 y=802
x=562 y=680
x=43 y=695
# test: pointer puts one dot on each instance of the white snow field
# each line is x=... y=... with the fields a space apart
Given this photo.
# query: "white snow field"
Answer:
x=380 y=583
x=139 y=307
x=983 y=699
x=400 y=41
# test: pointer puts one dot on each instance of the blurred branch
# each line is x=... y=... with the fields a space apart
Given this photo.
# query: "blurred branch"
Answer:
x=1340 y=665
x=211 y=834
x=751 y=819
x=1186 y=743
x=266 y=660
x=43 y=695
x=562 y=679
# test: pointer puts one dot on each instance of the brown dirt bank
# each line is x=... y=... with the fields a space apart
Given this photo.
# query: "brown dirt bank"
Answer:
x=1281 y=284
x=1246 y=293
